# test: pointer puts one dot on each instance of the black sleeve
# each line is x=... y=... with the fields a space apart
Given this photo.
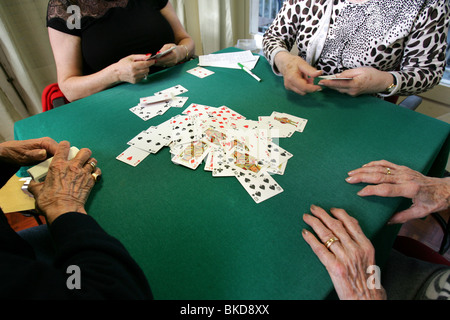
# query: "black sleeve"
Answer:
x=58 y=16
x=107 y=271
x=161 y=3
x=6 y=172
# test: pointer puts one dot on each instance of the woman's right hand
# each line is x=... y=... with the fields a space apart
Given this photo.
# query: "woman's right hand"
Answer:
x=134 y=68
x=67 y=185
x=297 y=73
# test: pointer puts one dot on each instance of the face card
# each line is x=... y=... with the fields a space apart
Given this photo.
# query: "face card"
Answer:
x=200 y=72
x=286 y=120
x=260 y=186
x=192 y=154
x=133 y=156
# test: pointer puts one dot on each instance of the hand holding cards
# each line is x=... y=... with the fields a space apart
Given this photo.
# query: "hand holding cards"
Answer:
x=161 y=54
x=39 y=172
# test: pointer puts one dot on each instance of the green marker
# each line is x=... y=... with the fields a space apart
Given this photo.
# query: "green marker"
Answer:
x=249 y=72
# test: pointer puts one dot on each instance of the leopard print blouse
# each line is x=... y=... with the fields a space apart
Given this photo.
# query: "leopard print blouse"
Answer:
x=407 y=38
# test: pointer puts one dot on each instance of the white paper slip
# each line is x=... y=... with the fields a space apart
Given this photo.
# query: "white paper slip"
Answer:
x=229 y=60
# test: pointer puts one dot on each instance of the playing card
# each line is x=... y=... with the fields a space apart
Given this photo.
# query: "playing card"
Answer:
x=178 y=102
x=148 y=141
x=133 y=156
x=149 y=111
x=175 y=90
x=192 y=154
x=260 y=186
x=226 y=113
x=277 y=155
x=223 y=164
x=185 y=129
x=198 y=110
x=334 y=77
x=200 y=72
x=289 y=120
x=155 y=99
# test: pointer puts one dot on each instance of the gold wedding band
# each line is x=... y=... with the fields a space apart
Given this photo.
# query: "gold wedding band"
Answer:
x=331 y=241
x=93 y=165
x=96 y=177
x=388 y=171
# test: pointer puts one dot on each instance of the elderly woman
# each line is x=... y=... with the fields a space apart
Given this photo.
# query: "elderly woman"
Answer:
x=99 y=43
x=348 y=254
x=381 y=47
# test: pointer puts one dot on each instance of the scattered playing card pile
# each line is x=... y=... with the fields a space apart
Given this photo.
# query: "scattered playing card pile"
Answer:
x=160 y=102
x=228 y=143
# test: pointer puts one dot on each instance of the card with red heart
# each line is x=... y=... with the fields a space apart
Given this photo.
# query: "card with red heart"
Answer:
x=133 y=156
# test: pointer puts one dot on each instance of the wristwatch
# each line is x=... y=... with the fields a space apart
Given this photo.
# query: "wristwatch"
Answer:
x=391 y=88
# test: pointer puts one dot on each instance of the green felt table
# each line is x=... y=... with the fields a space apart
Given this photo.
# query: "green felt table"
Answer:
x=199 y=237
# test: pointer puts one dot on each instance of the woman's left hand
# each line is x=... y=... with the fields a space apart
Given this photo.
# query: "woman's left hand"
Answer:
x=347 y=257
x=365 y=80
x=173 y=57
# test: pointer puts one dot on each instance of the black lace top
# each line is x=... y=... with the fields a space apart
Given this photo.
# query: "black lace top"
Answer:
x=111 y=29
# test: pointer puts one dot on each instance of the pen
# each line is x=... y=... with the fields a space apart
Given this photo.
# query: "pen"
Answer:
x=249 y=72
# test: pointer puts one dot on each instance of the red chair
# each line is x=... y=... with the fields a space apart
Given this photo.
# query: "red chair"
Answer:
x=52 y=97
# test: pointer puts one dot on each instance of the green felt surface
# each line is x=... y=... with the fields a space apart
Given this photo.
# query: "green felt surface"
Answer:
x=199 y=237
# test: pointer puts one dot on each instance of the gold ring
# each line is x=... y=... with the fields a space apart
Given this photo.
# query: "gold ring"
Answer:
x=96 y=176
x=331 y=241
x=93 y=165
x=388 y=171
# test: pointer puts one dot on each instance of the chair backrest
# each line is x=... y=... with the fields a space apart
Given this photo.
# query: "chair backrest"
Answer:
x=411 y=102
x=52 y=97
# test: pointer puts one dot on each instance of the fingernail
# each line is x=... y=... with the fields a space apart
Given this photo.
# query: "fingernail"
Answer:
x=304 y=231
x=148 y=54
x=349 y=179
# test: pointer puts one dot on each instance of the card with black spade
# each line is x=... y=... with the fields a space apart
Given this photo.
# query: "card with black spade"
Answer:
x=260 y=186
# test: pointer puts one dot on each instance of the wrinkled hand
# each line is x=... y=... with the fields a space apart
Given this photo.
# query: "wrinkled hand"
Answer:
x=365 y=80
x=173 y=57
x=297 y=73
x=134 y=68
x=428 y=194
x=28 y=152
x=346 y=260
x=67 y=185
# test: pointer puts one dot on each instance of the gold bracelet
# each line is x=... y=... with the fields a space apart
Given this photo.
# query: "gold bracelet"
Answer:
x=187 y=51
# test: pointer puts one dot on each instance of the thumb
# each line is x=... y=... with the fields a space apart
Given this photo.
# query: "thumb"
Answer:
x=309 y=70
x=37 y=154
x=35 y=187
x=140 y=57
x=414 y=212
